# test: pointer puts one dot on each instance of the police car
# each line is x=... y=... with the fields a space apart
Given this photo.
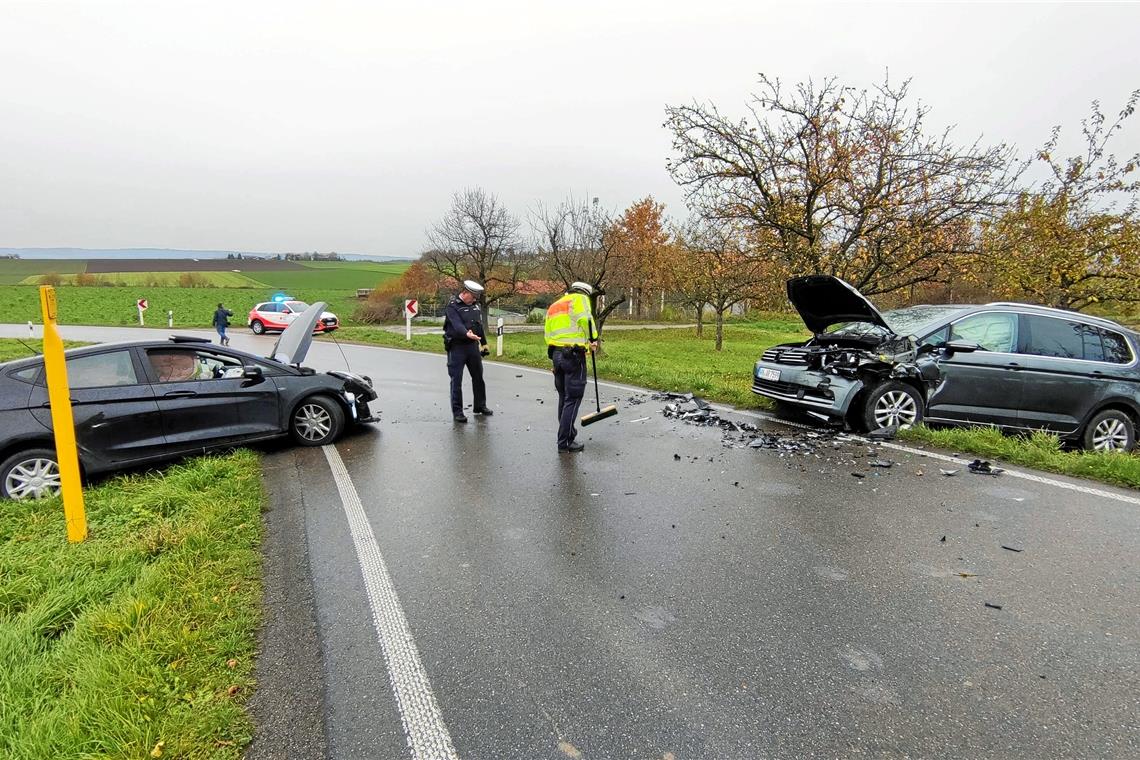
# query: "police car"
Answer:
x=276 y=315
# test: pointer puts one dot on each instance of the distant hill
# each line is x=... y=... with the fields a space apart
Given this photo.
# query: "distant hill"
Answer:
x=162 y=253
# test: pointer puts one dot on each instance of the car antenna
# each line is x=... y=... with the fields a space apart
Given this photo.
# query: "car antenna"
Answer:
x=25 y=345
x=342 y=354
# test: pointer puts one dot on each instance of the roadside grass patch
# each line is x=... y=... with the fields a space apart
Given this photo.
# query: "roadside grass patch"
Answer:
x=1039 y=450
x=11 y=348
x=138 y=642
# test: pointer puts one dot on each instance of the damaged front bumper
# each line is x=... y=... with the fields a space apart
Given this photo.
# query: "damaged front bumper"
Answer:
x=816 y=391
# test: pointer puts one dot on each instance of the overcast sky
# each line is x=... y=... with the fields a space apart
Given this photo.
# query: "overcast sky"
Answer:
x=280 y=126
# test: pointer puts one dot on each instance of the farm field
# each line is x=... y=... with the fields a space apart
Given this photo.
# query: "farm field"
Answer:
x=166 y=279
x=13 y=271
x=192 y=307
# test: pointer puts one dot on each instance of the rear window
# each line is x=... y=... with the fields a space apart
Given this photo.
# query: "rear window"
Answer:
x=101 y=370
x=28 y=374
x=1066 y=339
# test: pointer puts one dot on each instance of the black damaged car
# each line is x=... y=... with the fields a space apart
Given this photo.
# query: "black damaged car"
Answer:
x=149 y=401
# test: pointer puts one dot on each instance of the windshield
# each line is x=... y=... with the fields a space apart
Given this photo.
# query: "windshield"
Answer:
x=912 y=320
x=297 y=306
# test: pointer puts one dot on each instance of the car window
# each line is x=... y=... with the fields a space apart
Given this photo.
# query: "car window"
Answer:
x=297 y=306
x=29 y=374
x=101 y=370
x=936 y=338
x=1116 y=348
x=269 y=308
x=1062 y=338
x=178 y=365
x=993 y=331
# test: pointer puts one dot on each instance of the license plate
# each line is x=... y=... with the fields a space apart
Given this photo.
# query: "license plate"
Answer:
x=769 y=374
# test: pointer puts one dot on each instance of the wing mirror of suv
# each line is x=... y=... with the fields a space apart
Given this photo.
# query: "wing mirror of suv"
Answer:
x=960 y=347
x=253 y=373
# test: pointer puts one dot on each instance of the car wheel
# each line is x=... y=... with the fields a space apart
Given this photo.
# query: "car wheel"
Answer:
x=1111 y=430
x=257 y=327
x=316 y=421
x=892 y=404
x=31 y=474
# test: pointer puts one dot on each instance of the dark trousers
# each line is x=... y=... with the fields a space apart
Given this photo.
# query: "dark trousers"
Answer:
x=570 y=380
x=465 y=353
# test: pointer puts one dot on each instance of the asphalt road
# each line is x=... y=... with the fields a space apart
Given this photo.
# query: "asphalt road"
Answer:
x=662 y=596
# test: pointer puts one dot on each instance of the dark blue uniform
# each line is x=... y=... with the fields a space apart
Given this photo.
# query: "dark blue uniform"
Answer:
x=464 y=352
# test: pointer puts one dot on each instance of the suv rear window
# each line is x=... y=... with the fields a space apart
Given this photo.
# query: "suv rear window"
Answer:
x=1066 y=339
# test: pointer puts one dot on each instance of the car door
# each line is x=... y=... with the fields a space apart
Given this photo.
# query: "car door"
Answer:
x=1065 y=375
x=116 y=416
x=206 y=400
x=984 y=386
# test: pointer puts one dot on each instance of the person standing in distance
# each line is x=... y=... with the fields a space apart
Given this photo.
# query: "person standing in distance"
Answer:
x=466 y=345
x=570 y=332
x=221 y=322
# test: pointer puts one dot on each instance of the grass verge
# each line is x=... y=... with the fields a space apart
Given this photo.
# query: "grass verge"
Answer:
x=1040 y=451
x=138 y=642
x=676 y=360
x=11 y=348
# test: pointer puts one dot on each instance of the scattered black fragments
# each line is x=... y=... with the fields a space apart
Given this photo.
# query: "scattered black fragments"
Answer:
x=1012 y=549
x=948 y=473
x=942 y=540
x=885 y=463
x=883 y=434
x=858 y=475
x=677 y=457
x=518 y=375
x=993 y=606
x=984 y=468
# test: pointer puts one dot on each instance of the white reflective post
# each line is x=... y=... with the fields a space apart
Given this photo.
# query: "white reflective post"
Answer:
x=170 y=318
x=499 y=333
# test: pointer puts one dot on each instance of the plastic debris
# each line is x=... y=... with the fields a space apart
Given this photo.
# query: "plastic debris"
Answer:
x=993 y=606
x=884 y=463
x=983 y=467
x=948 y=473
x=1012 y=548
x=884 y=434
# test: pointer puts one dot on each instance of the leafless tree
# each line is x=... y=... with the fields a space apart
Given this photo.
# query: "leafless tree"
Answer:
x=576 y=242
x=720 y=268
x=478 y=239
x=842 y=182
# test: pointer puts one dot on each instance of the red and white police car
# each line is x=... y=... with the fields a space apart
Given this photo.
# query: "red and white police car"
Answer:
x=277 y=315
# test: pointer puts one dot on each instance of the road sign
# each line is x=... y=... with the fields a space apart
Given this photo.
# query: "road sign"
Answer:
x=411 y=309
x=142 y=304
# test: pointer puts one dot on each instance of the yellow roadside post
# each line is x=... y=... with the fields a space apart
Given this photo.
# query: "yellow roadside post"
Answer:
x=59 y=395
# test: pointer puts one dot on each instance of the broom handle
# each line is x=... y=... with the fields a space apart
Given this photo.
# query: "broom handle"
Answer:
x=597 y=398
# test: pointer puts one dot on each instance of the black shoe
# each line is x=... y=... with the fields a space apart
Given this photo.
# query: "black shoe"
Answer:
x=484 y=411
x=461 y=418
x=573 y=447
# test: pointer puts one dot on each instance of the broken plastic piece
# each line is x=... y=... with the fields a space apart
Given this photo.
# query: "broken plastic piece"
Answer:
x=948 y=473
x=993 y=606
x=1012 y=549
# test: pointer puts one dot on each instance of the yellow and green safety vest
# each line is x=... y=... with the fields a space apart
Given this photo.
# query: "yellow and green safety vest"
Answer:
x=569 y=321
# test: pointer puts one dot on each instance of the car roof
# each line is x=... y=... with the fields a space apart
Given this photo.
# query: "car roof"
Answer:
x=169 y=343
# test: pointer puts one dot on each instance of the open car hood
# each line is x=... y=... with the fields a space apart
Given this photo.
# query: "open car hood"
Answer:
x=294 y=342
x=823 y=300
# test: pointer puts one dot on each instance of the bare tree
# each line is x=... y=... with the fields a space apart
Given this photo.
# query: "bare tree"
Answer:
x=842 y=182
x=719 y=268
x=576 y=242
x=478 y=239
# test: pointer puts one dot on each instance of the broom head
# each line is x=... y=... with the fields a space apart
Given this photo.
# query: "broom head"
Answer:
x=592 y=417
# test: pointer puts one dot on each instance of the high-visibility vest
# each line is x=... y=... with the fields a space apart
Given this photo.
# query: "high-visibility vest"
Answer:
x=569 y=321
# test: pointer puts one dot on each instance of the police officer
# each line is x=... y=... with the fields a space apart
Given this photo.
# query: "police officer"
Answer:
x=466 y=346
x=570 y=332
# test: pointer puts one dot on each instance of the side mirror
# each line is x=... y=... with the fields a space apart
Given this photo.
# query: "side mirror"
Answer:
x=253 y=372
x=960 y=347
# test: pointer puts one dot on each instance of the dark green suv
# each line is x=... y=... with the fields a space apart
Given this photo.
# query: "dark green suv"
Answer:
x=1039 y=369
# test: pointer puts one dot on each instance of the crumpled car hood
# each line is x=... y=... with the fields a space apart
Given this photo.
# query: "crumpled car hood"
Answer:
x=823 y=300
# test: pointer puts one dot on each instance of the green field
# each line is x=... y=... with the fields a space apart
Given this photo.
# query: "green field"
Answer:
x=193 y=307
x=333 y=275
x=140 y=641
x=159 y=279
x=14 y=271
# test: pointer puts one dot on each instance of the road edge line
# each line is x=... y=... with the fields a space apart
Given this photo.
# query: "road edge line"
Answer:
x=424 y=728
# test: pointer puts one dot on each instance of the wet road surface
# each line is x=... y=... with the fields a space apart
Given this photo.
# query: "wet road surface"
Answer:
x=662 y=596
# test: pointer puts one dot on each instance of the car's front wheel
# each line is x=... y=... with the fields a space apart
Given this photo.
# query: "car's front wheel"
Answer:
x=1111 y=430
x=316 y=421
x=257 y=326
x=892 y=404
x=30 y=474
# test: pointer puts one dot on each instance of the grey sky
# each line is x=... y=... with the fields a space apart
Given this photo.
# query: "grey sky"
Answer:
x=281 y=126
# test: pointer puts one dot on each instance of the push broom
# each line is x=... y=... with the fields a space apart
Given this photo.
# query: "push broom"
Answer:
x=601 y=414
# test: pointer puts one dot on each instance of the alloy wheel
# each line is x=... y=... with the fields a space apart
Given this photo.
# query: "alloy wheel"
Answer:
x=1110 y=434
x=896 y=409
x=33 y=478
x=313 y=422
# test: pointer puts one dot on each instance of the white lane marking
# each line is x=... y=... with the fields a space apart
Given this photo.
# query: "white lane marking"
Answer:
x=424 y=728
x=896 y=446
